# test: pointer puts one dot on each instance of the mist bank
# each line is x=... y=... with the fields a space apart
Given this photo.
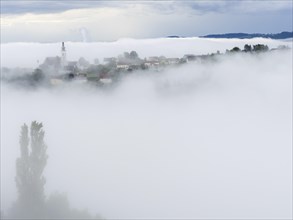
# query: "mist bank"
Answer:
x=200 y=141
x=55 y=71
x=16 y=54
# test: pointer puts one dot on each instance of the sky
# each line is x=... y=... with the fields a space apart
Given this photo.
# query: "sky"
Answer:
x=55 y=21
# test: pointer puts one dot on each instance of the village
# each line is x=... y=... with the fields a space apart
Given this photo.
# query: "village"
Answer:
x=60 y=70
x=57 y=70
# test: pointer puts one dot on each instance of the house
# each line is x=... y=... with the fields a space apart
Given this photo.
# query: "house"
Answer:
x=173 y=61
x=122 y=66
x=153 y=59
x=106 y=80
x=110 y=60
x=56 y=81
x=151 y=64
x=51 y=65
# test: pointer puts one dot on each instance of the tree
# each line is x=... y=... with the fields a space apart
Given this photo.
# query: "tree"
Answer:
x=29 y=172
x=32 y=202
x=247 y=48
x=235 y=49
x=133 y=55
x=58 y=207
x=260 y=48
x=38 y=75
x=126 y=55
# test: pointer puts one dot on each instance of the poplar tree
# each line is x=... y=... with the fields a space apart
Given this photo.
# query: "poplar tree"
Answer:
x=29 y=171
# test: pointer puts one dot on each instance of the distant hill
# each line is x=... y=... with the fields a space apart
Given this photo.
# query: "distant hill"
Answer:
x=173 y=36
x=282 y=35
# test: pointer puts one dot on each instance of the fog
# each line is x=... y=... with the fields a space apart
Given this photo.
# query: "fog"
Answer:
x=31 y=54
x=197 y=141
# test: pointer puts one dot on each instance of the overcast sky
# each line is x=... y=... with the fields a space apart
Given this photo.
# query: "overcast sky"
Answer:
x=54 y=21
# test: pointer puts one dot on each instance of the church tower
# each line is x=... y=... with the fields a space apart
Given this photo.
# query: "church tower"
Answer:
x=63 y=56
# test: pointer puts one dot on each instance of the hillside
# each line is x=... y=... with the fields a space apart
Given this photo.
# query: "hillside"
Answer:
x=282 y=35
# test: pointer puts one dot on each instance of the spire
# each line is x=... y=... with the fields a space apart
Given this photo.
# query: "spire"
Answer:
x=63 y=56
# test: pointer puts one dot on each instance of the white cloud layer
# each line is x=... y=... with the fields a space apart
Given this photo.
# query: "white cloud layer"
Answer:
x=199 y=141
x=112 y=21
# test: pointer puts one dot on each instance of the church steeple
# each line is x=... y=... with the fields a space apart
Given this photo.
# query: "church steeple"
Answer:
x=63 y=55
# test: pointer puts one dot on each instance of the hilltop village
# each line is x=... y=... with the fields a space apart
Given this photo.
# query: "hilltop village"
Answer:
x=57 y=70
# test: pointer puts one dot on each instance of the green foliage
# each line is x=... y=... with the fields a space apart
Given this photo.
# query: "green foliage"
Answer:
x=95 y=72
x=133 y=55
x=247 y=48
x=235 y=49
x=260 y=48
x=129 y=57
x=38 y=75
